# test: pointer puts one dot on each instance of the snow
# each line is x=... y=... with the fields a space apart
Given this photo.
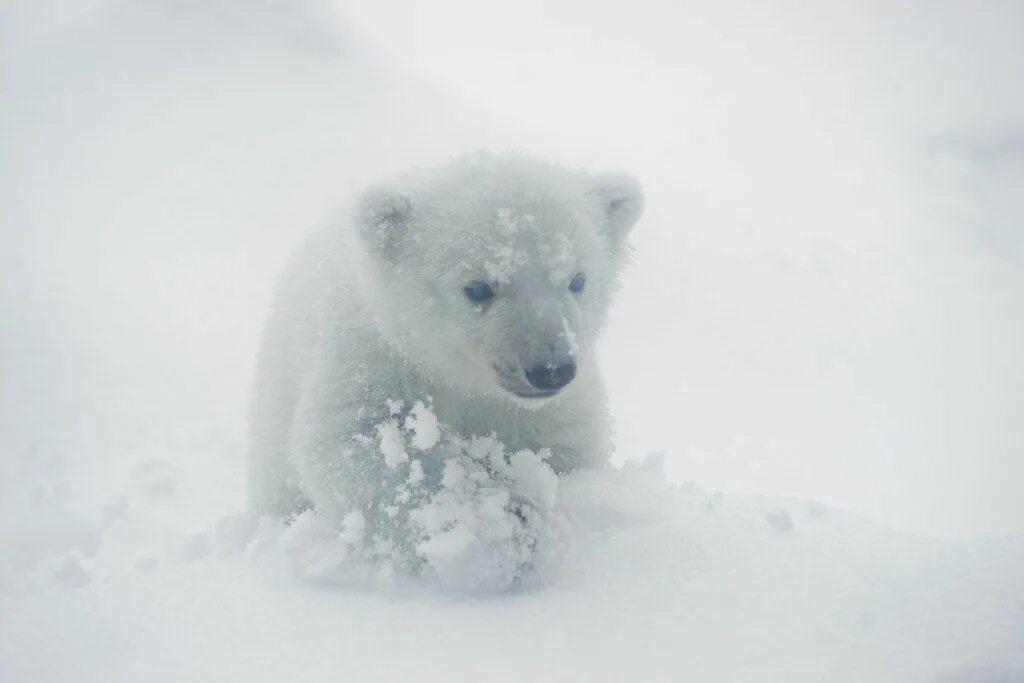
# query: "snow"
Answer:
x=423 y=424
x=844 y=324
x=652 y=582
x=353 y=527
x=532 y=479
x=391 y=444
x=453 y=476
x=617 y=574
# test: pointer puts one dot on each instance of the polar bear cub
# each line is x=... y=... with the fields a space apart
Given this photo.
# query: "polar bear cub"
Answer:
x=463 y=298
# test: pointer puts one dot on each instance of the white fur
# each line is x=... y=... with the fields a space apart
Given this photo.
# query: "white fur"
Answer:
x=370 y=317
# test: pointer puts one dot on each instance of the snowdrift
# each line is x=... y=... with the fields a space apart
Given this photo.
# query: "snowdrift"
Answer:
x=651 y=582
x=162 y=158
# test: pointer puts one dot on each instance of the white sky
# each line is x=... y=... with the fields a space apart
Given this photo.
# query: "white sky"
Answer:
x=825 y=299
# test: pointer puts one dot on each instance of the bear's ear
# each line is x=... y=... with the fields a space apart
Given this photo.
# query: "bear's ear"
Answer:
x=621 y=198
x=383 y=218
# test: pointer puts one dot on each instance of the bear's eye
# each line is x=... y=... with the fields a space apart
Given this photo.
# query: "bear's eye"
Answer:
x=578 y=280
x=478 y=291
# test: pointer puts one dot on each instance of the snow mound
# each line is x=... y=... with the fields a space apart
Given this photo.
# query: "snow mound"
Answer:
x=460 y=513
x=643 y=581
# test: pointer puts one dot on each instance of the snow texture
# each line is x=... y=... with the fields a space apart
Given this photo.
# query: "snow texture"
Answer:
x=830 y=275
x=649 y=581
x=466 y=517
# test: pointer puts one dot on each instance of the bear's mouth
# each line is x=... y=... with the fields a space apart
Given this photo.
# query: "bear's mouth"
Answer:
x=515 y=384
x=534 y=393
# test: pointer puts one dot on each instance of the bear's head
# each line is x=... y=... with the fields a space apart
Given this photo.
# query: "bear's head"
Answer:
x=494 y=273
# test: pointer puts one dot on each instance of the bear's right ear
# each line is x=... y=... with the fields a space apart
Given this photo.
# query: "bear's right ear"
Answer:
x=621 y=200
x=383 y=218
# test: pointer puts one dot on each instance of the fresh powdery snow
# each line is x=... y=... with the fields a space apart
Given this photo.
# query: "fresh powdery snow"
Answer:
x=158 y=157
x=601 y=575
x=423 y=425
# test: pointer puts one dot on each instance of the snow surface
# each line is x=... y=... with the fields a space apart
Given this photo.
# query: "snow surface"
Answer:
x=845 y=323
x=651 y=582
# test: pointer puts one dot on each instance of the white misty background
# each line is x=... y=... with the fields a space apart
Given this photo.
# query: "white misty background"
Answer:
x=826 y=295
x=825 y=302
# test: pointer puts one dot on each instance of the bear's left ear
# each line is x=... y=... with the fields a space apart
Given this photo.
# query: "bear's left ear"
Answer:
x=622 y=200
x=383 y=217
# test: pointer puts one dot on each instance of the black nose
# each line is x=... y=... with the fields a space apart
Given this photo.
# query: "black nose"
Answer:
x=550 y=377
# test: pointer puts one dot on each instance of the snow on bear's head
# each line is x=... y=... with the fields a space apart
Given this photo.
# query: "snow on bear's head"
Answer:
x=493 y=273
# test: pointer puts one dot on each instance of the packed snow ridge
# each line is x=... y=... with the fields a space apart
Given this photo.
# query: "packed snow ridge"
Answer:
x=461 y=513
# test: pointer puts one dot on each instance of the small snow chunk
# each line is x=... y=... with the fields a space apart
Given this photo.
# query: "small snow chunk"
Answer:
x=779 y=520
x=353 y=527
x=533 y=478
x=415 y=473
x=493 y=505
x=424 y=427
x=487 y=448
x=570 y=337
x=267 y=534
x=395 y=406
x=448 y=544
x=391 y=445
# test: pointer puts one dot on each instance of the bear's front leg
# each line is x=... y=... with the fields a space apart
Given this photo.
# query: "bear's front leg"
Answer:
x=461 y=511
